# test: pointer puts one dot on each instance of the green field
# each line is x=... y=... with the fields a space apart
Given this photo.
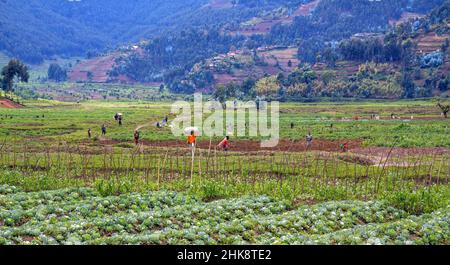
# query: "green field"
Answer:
x=57 y=121
x=59 y=187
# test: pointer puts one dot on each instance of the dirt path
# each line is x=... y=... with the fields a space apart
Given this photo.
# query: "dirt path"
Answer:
x=253 y=145
x=9 y=104
x=400 y=152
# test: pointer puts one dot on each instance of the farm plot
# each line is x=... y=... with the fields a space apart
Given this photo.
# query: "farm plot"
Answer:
x=82 y=216
x=263 y=24
x=57 y=186
x=212 y=174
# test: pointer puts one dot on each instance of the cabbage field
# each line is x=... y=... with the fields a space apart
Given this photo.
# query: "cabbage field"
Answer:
x=83 y=216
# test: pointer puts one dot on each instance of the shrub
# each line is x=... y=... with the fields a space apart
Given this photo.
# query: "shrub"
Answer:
x=433 y=59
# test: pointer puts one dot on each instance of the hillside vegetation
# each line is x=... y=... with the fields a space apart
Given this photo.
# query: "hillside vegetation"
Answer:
x=68 y=28
x=300 y=48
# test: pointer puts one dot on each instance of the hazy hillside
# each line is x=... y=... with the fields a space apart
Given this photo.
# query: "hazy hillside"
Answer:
x=301 y=48
x=38 y=29
x=325 y=25
x=409 y=60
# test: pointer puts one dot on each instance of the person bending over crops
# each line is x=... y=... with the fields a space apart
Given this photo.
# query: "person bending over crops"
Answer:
x=136 y=137
x=89 y=133
x=225 y=144
x=103 y=130
x=192 y=139
x=309 y=140
x=344 y=147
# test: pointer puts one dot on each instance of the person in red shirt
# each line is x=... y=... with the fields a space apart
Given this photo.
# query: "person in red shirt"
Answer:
x=225 y=144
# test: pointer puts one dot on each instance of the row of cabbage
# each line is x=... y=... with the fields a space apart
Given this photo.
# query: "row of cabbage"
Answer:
x=81 y=216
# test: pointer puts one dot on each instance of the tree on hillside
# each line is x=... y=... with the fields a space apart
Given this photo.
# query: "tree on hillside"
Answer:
x=56 y=73
x=90 y=76
x=408 y=85
x=222 y=93
x=247 y=87
x=444 y=108
x=328 y=76
x=268 y=86
x=15 y=68
x=443 y=84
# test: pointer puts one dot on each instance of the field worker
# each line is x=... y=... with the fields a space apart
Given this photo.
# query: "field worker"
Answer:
x=103 y=129
x=136 y=137
x=309 y=140
x=120 y=120
x=89 y=133
x=344 y=147
x=225 y=144
x=191 y=140
x=116 y=117
x=292 y=125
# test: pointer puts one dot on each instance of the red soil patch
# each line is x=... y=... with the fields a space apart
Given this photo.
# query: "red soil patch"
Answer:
x=306 y=9
x=223 y=79
x=260 y=28
x=281 y=58
x=99 y=68
x=9 y=104
x=277 y=59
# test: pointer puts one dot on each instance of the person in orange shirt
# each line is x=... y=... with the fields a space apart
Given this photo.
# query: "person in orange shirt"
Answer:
x=191 y=140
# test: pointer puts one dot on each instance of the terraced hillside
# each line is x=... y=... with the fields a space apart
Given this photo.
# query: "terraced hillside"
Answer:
x=430 y=42
x=239 y=65
x=405 y=17
x=97 y=70
x=262 y=25
x=83 y=216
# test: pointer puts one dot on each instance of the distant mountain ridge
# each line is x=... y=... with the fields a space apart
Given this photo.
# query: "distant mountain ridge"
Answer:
x=37 y=29
x=280 y=49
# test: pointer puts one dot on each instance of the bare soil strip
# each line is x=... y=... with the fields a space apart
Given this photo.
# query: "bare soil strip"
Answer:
x=9 y=104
